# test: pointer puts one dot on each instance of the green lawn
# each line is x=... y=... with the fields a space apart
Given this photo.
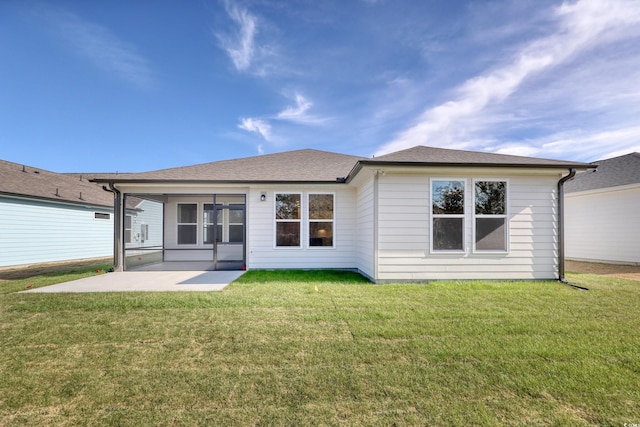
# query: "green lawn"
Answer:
x=324 y=349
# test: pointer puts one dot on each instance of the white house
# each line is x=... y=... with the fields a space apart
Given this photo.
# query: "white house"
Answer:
x=50 y=217
x=416 y=215
x=603 y=212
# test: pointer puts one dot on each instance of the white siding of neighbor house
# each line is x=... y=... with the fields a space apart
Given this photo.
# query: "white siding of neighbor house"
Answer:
x=34 y=231
x=404 y=251
x=603 y=225
x=261 y=250
x=148 y=213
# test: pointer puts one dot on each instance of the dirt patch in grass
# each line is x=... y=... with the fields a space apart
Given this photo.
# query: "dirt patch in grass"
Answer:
x=629 y=272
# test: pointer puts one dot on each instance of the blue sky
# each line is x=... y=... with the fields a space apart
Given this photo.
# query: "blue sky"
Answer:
x=150 y=84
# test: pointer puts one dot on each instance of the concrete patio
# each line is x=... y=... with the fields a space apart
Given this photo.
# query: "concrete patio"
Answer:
x=147 y=281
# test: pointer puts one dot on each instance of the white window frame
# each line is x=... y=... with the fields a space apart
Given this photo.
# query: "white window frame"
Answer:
x=197 y=223
x=299 y=220
x=505 y=216
x=226 y=224
x=201 y=227
x=463 y=215
x=308 y=220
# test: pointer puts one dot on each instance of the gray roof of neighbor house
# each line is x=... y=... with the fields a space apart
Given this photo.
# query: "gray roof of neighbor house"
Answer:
x=320 y=166
x=622 y=170
x=26 y=181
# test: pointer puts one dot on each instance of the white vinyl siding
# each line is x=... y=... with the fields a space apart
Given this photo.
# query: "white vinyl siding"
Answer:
x=404 y=232
x=33 y=231
x=148 y=214
x=603 y=225
x=365 y=230
x=261 y=250
x=390 y=240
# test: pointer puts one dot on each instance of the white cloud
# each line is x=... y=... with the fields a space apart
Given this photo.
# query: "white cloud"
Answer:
x=101 y=46
x=258 y=126
x=294 y=113
x=457 y=123
x=299 y=112
x=240 y=46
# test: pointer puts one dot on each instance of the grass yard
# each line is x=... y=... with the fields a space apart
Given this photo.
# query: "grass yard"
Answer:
x=322 y=348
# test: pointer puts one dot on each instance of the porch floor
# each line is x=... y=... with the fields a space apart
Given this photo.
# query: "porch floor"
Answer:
x=176 y=266
x=147 y=281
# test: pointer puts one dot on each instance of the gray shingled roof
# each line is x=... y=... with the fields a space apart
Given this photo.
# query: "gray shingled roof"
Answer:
x=19 y=180
x=321 y=166
x=435 y=156
x=293 y=166
x=622 y=170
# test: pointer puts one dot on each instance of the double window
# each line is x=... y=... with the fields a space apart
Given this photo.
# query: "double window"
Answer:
x=449 y=213
x=228 y=224
x=315 y=222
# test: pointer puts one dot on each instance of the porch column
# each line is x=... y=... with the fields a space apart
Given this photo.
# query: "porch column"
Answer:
x=118 y=229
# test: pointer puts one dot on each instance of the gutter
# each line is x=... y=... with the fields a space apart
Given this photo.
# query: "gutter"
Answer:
x=338 y=180
x=561 y=271
x=381 y=163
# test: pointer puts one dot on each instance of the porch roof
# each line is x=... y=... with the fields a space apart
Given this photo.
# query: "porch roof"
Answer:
x=306 y=165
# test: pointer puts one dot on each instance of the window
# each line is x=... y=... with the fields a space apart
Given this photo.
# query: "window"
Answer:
x=490 y=215
x=187 y=223
x=100 y=215
x=287 y=215
x=128 y=225
x=236 y=225
x=447 y=209
x=208 y=224
x=144 y=232
x=321 y=220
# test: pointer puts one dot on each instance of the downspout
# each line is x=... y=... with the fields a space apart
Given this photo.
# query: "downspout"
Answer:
x=375 y=226
x=117 y=227
x=572 y=173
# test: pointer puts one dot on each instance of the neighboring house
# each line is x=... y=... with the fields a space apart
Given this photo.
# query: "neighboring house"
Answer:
x=418 y=214
x=50 y=217
x=602 y=213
